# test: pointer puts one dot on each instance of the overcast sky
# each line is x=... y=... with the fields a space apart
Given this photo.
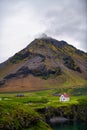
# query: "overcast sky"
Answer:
x=23 y=20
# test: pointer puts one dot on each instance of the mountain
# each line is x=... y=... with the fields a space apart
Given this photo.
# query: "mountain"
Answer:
x=44 y=64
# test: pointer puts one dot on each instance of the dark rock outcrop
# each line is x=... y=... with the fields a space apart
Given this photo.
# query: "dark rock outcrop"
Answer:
x=70 y=63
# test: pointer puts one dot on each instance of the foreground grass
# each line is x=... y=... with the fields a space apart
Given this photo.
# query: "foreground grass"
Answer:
x=16 y=116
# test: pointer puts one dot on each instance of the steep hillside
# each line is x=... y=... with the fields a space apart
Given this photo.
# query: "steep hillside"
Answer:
x=45 y=63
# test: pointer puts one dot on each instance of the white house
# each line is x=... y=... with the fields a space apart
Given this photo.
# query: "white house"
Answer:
x=64 y=97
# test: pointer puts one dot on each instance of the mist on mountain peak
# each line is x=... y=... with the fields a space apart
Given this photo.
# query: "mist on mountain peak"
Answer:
x=43 y=36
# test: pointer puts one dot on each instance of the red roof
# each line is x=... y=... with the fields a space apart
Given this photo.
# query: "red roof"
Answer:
x=65 y=95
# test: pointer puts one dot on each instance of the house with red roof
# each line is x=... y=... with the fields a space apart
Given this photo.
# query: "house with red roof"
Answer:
x=64 y=97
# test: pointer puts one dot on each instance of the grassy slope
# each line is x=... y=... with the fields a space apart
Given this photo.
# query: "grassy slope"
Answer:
x=66 y=80
x=9 y=68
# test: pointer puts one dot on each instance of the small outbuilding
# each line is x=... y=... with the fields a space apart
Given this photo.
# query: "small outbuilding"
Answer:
x=64 y=98
x=20 y=95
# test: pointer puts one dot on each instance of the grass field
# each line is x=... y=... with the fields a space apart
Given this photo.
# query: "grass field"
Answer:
x=40 y=99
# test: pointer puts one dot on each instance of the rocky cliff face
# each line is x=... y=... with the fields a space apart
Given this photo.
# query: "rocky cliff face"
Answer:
x=45 y=61
x=65 y=113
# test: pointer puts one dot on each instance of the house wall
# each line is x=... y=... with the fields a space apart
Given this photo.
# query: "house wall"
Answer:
x=63 y=99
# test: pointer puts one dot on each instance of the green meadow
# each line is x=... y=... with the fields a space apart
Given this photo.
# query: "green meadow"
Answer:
x=21 y=112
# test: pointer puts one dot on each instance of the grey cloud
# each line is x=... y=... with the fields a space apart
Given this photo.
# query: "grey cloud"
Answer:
x=68 y=19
